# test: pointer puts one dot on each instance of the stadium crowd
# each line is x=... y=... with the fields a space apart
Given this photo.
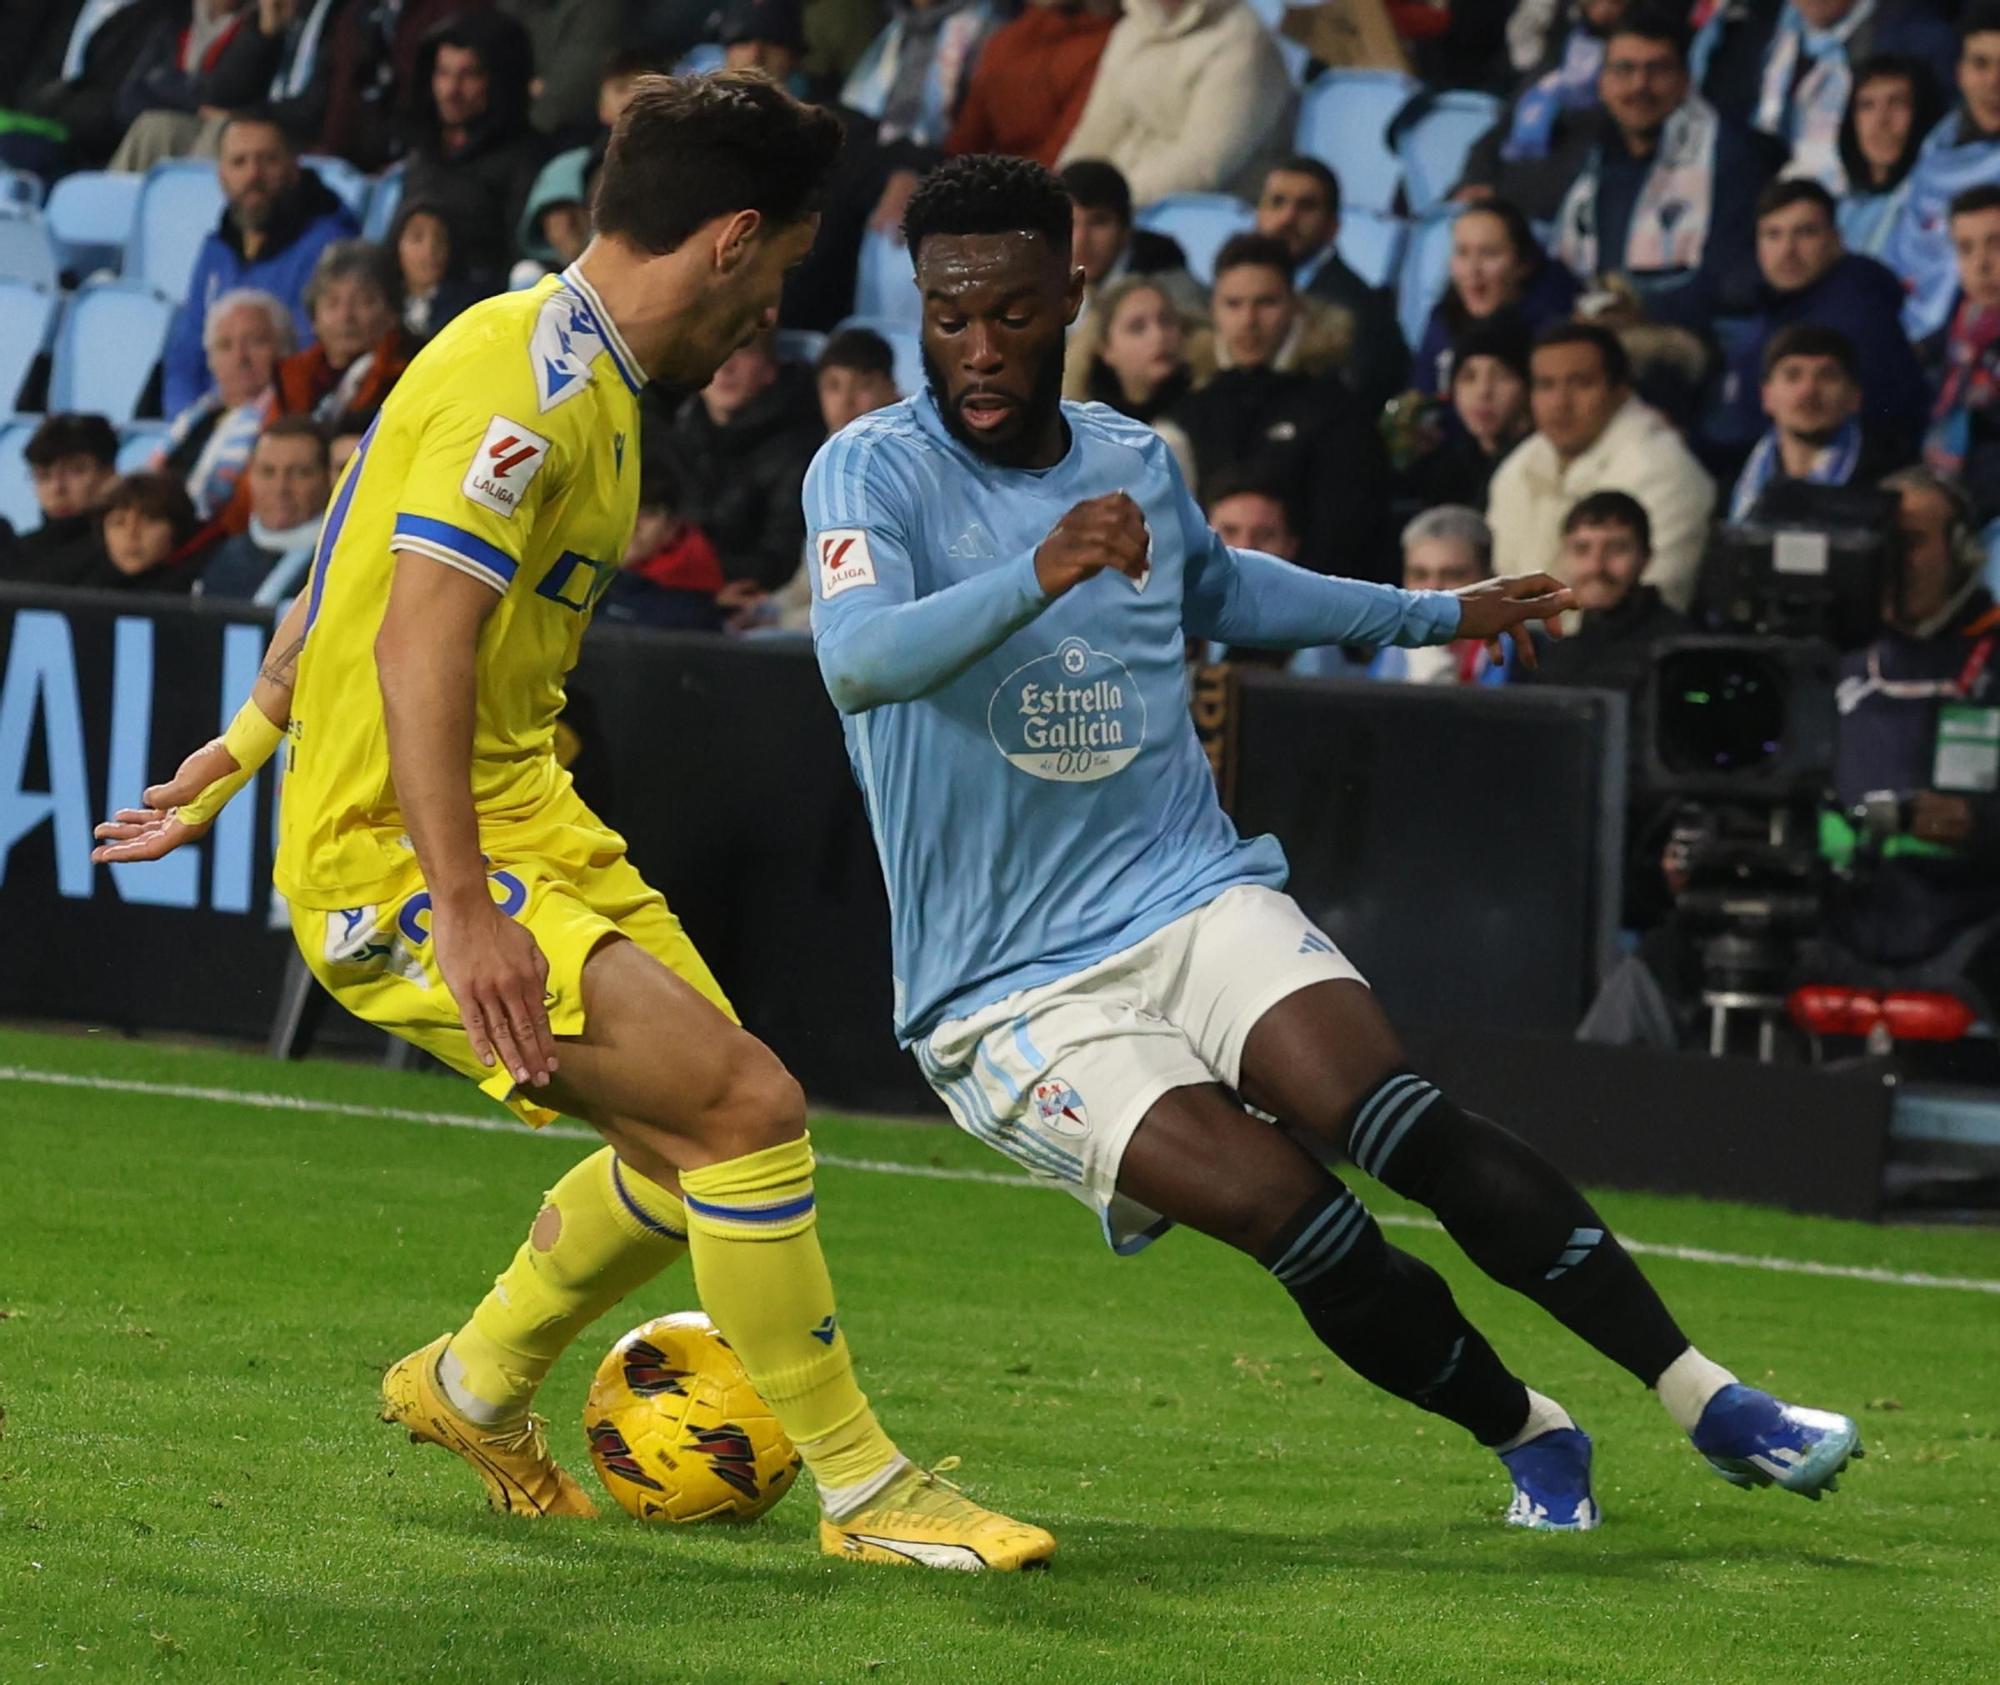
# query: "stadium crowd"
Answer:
x=1698 y=250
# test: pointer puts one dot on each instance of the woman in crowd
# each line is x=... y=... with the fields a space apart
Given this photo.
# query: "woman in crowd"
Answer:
x=1499 y=272
x=1487 y=416
x=208 y=445
x=1130 y=353
x=1894 y=104
x=150 y=535
x=355 y=300
x=434 y=285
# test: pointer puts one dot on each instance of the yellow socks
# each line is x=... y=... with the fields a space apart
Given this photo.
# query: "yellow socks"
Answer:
x=753 y=1236
x=603 y=1231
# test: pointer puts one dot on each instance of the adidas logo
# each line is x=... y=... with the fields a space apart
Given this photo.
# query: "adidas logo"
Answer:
x=974 y=544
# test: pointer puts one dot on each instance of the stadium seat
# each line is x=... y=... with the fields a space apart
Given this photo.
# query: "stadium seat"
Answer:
x=904 y=346
x=1426 y=269
x=20 y=187
x=26 y=251
x=110 y=339
x=26 y=312
x=136 y=443
x=383 y=202
x=338 y=176
x=1201 y=222
x=17 y=490
x=799 y=345
x=1371 y=244
x=91 y=215
x=1432 y=146
x=884 y=283
x=699 y=60
x=1344 y=121
x=180 y=204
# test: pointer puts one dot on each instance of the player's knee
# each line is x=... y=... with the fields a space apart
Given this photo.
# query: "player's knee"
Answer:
x=758 y=1104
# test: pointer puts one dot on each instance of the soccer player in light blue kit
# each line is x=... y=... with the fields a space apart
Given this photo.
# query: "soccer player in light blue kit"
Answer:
x=1095 y=971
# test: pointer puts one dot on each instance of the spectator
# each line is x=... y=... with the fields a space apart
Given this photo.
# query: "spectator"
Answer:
x=209 y=442
x=1893 y=106
x=1304 y=433
x=568 y=42
x=1191 y=96
x=555 y=221
x=1593 y=434
x=71 y=121
x=1028 y=88
x=1963 y=151
x=1106 y=246
x=290 y=477
x=1499 y=274
x=1544 y=140
x=355 y=298
x=739 y=449
x=1963 y=440
x=377 y=71
x=434 y=285
x=1665 y=198
x=1812 y=393
x=1300 y=205
x=1791 y=68
x=1486 y=418
x=168 y=101
x=856 y=375
x=1250 y=514
x=475 y=156
x=1131 y=352
x=1607 y=554
x=148 y=536
x=670 y=578
x=72 y=461
x=277 y=219
x=1805 y=277
x=1260 y=317
x=282 y=59
x=766 y=35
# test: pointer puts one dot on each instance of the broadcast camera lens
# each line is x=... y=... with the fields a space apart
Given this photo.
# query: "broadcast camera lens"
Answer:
x=1720 y=710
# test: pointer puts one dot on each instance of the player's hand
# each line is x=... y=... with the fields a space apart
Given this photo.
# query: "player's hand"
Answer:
x=1099 y=533
x=147 y=833
x=1497 y=606
x=499 y=977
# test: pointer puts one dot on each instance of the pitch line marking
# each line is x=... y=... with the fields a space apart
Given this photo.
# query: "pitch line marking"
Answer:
x=509 y=1125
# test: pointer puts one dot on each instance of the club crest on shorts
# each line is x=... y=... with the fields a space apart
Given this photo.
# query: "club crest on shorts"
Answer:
x=1059 y=1107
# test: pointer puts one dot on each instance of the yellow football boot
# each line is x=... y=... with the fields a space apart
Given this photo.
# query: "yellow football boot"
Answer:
x=922 y=1520
x=512 y=1458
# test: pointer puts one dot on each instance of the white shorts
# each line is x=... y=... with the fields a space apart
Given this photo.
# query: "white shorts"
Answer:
x=1059 y=1076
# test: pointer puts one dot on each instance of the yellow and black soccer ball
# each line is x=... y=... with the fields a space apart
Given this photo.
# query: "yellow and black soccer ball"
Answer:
x=677 y=1431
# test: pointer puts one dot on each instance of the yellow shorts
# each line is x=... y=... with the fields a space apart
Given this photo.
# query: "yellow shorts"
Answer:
x=379 y=963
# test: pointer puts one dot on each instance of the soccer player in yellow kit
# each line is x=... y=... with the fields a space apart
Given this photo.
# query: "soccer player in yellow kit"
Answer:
x=447 y=883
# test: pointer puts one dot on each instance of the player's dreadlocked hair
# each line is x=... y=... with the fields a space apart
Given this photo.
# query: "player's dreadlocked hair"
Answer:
x=985 y=193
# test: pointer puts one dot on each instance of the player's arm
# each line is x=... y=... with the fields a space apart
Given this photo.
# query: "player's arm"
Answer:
x=184 y=807
x=878 y=642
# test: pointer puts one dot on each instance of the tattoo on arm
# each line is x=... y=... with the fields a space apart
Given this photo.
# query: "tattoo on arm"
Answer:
x=281 y=669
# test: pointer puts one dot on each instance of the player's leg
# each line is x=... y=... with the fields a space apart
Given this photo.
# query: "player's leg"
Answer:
x=678 y=1088
x=1201 y=1160
x=1325 y=1060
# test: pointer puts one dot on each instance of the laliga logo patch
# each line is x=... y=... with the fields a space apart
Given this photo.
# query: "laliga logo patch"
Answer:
x=1059 y=1107
x=508 y=459
x=844 y=561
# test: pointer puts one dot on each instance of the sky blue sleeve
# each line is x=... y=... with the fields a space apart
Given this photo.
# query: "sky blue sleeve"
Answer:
x=876 y=639
x=1247 y=597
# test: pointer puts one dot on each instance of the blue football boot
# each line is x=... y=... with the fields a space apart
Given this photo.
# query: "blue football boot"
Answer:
x=1551 y=1476
x=1753 y=1439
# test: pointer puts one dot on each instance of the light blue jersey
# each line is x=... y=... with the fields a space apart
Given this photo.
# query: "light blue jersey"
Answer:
x=1037 y=792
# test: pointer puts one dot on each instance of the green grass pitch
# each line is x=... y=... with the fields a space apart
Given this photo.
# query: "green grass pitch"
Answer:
x=198 y=1297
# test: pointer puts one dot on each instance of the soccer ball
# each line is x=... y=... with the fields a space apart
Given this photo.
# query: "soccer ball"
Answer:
x=677 y=1431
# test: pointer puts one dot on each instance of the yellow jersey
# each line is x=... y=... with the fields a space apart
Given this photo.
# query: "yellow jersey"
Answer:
x=510 y=451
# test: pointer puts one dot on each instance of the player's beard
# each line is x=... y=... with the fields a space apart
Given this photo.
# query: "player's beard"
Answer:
x=1037 y=410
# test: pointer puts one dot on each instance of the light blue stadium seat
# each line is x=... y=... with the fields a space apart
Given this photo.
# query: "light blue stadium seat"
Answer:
x=904 y=346
x=1344 y=121
x=17 y=489
x=26 y=251
x=26 y=312
x=383 y=203
x=884 y=283
x=338 y=176
x=180 y=205
x=20 y=187
x=1371 y=244
x=698 y=60
x=799 y=345
x=1426 y=269
x=136 y=443
x=1202 y=223
x=110 y=339
x=91 y=214
x=1433 y=147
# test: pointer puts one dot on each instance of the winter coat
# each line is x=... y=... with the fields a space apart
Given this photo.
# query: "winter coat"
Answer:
x=1029 y=86
x=573 y=40
x=1379 y=358
x=88 y=105
x=1199 y=102
x=377 y=94
x=1549 y=296
x=1321 y=341
x=1638 y=452
x=303 y=224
